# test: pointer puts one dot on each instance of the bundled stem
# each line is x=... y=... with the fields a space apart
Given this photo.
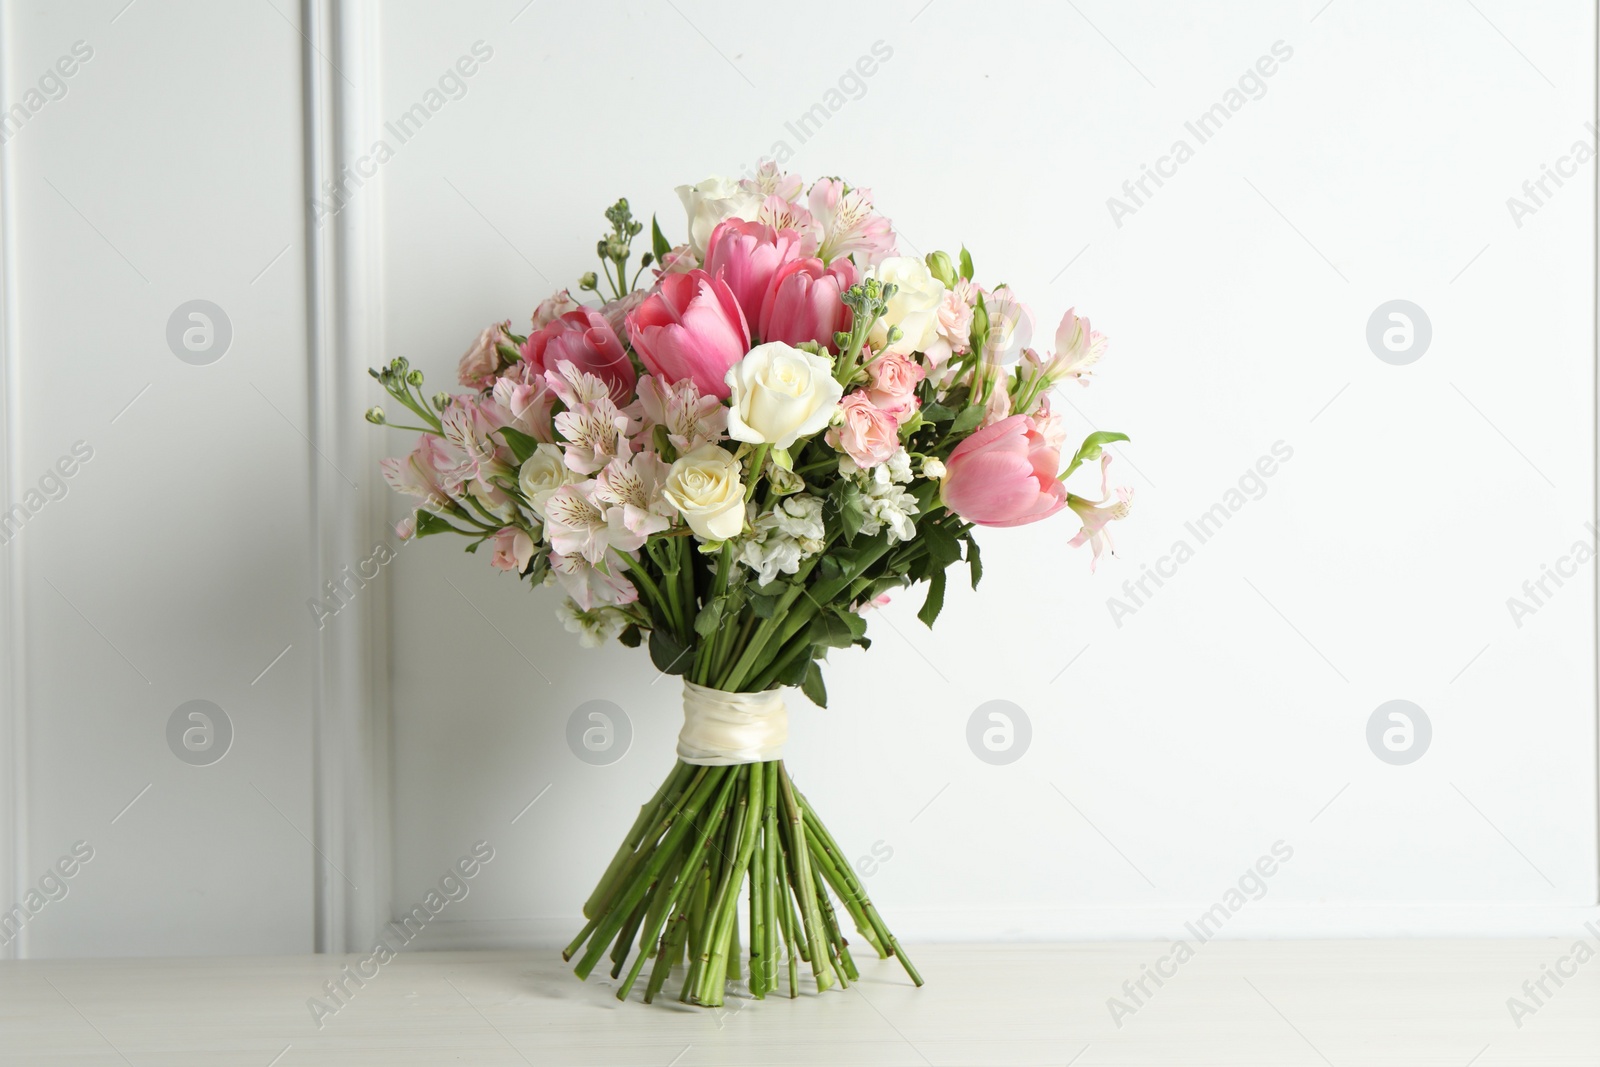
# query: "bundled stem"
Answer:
x=709 y=837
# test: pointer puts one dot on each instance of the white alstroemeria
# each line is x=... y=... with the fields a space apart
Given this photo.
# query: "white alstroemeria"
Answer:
x=575 y=386
x=578 y=526
x=588 y=585
x=595 y=626
x=594 y=434
x=542 y=474
x=633 y=485
x=690 y=418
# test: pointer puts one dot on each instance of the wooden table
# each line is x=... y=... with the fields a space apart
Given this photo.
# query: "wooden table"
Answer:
x=1232 y=1004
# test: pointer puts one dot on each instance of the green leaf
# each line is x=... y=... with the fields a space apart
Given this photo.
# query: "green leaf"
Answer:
x=943 y=549
x=837 y=629
x=1090 y=449
x=658 y=242
x=968 y=420
x=428 y=523
x=709 y=618
x=795 y=672
x=522 y=446
x=974 y=561
x=937 y=413
x=935 y=602
x=966 y=263
x=630 y=637
x=812 y=685
x=763 y=605
x=669 y=654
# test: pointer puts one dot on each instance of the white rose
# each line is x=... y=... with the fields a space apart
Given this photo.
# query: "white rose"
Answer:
x=780 y=394
x=704 y=486
x=542 y=474
x=711 y=201
x=914 y=308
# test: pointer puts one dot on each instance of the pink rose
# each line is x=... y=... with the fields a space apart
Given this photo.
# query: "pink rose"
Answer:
x=805 y=302
x=869 y=435
x=690 y=327
x=584 y=339
x=513 y=550
x=555 y=306
x=481 y=361
x=953 y=321
x=746 y=255
x=1004 y=475
x=892 y=380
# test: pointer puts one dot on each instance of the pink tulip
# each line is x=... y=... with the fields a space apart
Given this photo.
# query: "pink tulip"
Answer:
x=586 y=340
x=746 y=255
x=805 y=302
x=1004 y=475
x=691 y=327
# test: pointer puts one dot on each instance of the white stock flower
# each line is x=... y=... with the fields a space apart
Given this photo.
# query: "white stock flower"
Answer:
x=704 y=486
x=914 y=307
x=789 y=533
x=709 y=202
x=889 y=507
x=594 y=627
x=780 y=394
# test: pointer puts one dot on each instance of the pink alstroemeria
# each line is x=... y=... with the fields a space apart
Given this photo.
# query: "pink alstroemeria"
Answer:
x=1010 y=326
x=579 y=526
x=589 y=586
x=633 y=486
x=467 y=426
x=431 y=472
x=849 y=223
x=1096 y=514
x=691 y=418
x=513 y=550
x=1078 y=350
x=525 y=400
x=769 y=181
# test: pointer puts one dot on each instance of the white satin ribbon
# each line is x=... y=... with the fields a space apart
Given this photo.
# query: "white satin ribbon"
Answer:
x=724 y=729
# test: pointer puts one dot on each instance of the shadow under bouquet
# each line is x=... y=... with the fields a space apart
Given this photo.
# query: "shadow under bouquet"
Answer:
x=731 y=467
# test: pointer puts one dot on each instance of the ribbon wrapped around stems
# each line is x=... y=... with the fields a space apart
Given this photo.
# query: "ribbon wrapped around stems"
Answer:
x=723 y=729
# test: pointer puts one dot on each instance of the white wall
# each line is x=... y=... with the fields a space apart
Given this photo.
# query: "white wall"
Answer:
x=1228 y=712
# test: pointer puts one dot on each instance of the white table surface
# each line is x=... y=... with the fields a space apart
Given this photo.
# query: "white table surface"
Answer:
x=1343 y=1004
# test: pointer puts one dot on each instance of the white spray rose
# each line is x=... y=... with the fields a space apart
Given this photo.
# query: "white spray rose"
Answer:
x=914 y=308
x=704 y=486
x=542 y=474
x=780 y=394
x=711 y=201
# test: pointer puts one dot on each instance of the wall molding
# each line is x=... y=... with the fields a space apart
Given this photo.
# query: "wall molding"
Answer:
x=13 y=661
x=350 y=710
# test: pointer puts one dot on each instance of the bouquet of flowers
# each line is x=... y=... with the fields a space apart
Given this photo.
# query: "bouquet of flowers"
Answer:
x=731 y=467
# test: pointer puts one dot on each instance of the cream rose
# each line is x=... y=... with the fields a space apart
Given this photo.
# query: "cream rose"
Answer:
x=704 y=486
x=542 y=474
x=914 y=307
x=711 y=201
x=780 y=394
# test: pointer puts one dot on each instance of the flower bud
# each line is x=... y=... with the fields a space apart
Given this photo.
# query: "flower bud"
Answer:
x=940 y=267
x=589 y=281
x=375 y=416
x=933 y=467
x=415 y=378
